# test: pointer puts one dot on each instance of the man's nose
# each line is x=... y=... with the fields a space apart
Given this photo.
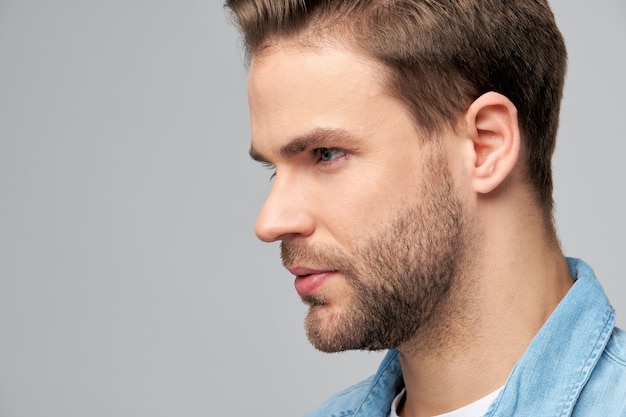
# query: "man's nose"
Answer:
x=285 y=213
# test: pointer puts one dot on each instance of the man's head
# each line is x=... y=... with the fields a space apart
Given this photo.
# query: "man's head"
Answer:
x=440 y=55
x=378 y=118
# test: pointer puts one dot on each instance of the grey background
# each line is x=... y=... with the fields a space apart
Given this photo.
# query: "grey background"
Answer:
x=131 y=283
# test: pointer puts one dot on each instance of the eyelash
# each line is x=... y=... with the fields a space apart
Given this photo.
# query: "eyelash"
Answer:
x=271 y=167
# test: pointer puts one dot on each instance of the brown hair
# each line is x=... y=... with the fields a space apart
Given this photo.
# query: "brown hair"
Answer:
x=441 y=56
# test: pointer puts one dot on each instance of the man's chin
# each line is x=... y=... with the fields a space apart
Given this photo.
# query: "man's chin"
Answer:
x=326 y=344
x=334 y=343
x=314 y=301
x=329 y=332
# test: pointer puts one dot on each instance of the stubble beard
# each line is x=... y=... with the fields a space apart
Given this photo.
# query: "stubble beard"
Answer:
x=401 y=278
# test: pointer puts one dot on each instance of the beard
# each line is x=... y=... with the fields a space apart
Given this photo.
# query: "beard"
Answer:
x=400 y=278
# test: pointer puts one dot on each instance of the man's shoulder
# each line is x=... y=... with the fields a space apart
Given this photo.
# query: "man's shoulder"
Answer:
x=611 y=368
x=606 y=388
x=346 y=402
x=616 y=348
x=370 y=397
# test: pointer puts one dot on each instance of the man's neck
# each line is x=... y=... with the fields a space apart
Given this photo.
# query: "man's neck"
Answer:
x=490 y=321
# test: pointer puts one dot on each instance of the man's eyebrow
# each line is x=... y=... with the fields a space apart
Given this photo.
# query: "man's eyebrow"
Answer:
x=316 y=138
x=257 y=156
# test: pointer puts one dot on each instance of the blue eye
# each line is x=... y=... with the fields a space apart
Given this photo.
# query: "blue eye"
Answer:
x=328 y=154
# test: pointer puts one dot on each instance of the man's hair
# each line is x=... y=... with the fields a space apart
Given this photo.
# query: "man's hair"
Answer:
x=441 y=55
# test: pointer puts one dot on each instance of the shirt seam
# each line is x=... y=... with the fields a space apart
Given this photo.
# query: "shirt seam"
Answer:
x=592 y=359
x=615 y=358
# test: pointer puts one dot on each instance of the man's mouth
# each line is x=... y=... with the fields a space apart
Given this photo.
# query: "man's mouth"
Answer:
x=309 y=281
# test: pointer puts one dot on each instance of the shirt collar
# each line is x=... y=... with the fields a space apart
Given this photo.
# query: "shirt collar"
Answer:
x=549 y=377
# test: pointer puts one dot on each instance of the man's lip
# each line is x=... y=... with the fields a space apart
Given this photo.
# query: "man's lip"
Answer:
x=308 y=280
x=300 y=271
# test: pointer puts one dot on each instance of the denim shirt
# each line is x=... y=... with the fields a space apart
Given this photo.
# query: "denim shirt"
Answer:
x=575 y=366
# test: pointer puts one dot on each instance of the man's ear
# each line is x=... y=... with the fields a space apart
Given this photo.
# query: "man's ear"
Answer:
x=491 y=125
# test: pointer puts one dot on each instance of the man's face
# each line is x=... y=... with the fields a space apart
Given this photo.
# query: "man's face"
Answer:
x=365 y=209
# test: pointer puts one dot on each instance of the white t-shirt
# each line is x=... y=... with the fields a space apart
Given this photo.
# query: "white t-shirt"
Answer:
x=475 y=409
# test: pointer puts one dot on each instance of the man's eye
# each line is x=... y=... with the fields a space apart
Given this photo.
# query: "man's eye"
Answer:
x=328 y=154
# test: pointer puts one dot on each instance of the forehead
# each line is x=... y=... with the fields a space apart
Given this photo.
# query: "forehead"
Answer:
x=293 y=89
x=294 y=66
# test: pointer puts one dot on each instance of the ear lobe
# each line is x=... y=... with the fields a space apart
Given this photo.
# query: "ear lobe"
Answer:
x=491 y=124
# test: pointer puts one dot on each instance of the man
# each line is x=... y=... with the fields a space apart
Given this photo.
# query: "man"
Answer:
x=411 y=144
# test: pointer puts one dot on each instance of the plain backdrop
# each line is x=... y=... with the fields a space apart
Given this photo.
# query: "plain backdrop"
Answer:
x=131 y=283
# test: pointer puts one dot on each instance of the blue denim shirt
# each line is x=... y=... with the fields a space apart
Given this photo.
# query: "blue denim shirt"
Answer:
x=575 y=366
